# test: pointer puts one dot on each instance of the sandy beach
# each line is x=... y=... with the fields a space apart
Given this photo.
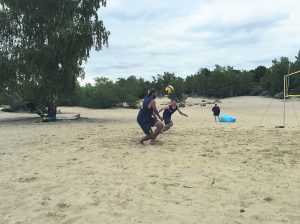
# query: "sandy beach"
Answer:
x=91 y=170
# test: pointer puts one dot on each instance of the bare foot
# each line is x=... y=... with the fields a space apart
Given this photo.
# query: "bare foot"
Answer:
x=152 y=142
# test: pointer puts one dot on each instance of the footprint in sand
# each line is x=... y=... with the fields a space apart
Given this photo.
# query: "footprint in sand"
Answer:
x=72 y=220
x=153 y=175
x=95 y=201
x=50 y=188
x=27 y=179
x=56 y=216
x=45 y=200
x=268 y=199
x=63 y=206
x=80 y=138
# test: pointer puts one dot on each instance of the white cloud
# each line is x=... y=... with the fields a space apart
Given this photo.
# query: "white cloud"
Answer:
x=150 y=37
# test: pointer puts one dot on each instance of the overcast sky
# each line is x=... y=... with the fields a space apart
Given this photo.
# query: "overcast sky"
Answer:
x=149 y=37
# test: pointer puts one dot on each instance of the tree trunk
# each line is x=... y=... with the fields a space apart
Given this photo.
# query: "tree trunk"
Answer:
x=52 y=108
x=52 y=111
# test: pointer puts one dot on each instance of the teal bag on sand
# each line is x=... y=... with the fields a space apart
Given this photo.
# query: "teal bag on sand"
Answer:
x=227 y=118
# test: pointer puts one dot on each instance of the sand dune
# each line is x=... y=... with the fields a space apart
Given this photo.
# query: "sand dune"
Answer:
x=92 y=171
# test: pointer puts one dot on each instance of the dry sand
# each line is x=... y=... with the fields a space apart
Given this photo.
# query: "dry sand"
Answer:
x=92 y=171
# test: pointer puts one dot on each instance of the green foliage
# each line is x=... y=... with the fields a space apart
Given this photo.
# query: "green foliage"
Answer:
x=106 y=93
x=294 y=82
x=44 y=43
x=273 y=80
x=259 y=72
x=130 y=90
x=220 y=82
x=103 y=94
x=161 y=81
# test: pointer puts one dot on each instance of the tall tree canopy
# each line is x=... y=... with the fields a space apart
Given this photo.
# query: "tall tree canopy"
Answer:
x=44 y=43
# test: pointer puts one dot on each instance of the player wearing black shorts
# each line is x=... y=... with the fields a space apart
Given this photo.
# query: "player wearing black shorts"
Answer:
x=167 y=114
x=216 y=111
x=147 y=118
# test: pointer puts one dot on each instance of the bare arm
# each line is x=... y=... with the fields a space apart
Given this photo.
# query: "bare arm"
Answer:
x=154 y=115
x=155 y=111
x=164 y=108
x=183 y=114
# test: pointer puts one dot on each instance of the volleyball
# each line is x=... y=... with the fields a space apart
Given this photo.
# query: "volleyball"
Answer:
x=169 y=89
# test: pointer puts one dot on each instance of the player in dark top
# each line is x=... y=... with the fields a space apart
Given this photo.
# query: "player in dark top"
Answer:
x=168 y=111
x=216 y=111
x=147 y=117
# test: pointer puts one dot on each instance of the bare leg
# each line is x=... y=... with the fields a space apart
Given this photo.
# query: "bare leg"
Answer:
x=146 y=138
x=159 y=126
x=167 y=127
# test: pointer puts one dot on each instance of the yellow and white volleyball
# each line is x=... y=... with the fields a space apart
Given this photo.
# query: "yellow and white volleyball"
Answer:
x=169 y=89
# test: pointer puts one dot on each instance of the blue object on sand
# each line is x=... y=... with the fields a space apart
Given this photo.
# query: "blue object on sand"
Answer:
x=227 y=118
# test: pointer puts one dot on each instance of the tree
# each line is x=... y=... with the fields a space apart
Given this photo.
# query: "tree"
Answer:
x=294 y=81
x=273 y=80
x=131 y=90
x=47 y=41
x=259 y=72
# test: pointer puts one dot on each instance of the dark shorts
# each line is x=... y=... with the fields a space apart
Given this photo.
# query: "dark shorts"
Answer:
x=167 y=120
x=216 y=114
x=146 y=125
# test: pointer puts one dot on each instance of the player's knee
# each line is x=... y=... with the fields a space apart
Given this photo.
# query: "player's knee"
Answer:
x=160 y=125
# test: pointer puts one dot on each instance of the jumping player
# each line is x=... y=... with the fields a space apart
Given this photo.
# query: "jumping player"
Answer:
x=168 y=111
x=147 y=117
